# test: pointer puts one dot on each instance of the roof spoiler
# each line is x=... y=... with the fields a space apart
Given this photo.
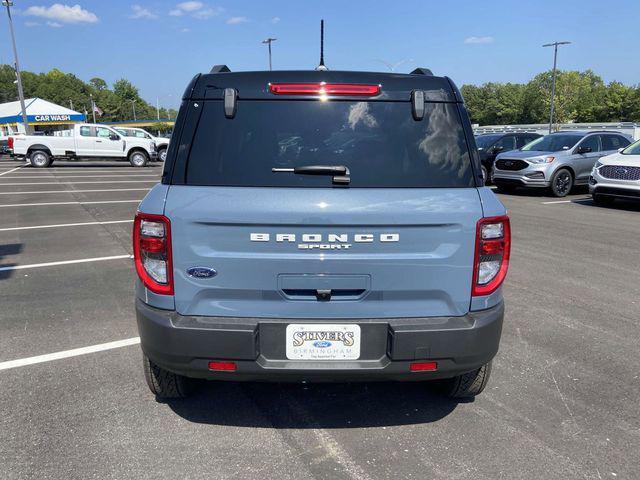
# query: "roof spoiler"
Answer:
x=219 y=69
x=422 y=71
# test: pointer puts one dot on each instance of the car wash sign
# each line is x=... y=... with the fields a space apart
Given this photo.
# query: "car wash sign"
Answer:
x=52 y=118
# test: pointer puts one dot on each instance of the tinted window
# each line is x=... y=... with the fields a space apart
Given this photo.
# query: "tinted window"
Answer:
x=485 y=141
x=613 y=142
x=592 y=142
x=506 y=144
x=86 y=132
x=379 y=142
x=522 y=140
x=553 y=143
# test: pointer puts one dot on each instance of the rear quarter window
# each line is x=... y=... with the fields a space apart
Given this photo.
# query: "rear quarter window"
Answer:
x=380 y=143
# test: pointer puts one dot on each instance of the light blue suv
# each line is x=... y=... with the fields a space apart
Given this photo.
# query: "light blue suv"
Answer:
x=557 y=161
x=320 y=226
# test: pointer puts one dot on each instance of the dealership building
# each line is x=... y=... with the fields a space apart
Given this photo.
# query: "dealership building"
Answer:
x=42 y=116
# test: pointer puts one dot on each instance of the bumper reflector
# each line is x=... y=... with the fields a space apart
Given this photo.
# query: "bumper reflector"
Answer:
x=423 y=366
x=222 y=366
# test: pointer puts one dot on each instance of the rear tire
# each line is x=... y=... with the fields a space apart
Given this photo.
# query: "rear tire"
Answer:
x=40 y=159
x=162 y=154
x=485 y=175
x=163 y=383
x=469 y=384
x=138 y=158
x=603 y=200
x=561 y=183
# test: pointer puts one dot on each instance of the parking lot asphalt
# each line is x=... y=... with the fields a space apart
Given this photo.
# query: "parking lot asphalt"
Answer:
x=563 y=401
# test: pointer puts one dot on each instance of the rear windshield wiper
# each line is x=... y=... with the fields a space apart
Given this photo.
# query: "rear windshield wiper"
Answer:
x=340 y=173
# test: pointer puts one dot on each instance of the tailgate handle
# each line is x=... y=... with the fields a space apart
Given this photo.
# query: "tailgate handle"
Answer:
x=324 y=294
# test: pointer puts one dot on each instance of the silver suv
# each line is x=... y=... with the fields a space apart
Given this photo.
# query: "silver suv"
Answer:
x=557 y=161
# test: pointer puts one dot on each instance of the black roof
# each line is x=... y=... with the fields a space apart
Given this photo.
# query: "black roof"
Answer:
x=255 y=85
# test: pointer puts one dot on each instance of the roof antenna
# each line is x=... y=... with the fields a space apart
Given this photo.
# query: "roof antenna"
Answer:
x=322 y=67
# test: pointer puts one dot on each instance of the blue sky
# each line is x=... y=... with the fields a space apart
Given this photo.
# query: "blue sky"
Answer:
x=159 y=45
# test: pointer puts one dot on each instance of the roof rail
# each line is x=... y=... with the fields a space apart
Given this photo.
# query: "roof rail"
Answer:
x=422 y=71
x=220 y=69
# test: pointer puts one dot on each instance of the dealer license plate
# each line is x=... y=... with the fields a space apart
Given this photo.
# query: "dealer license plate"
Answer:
x=323 y=342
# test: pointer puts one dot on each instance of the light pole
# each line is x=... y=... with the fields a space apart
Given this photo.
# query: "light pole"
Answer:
x=9 y=4
x=133 y=105
x=553 y=82
x=269 y=41
x=158 y=107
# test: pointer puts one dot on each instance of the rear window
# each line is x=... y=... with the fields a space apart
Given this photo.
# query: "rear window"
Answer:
x=379 y=142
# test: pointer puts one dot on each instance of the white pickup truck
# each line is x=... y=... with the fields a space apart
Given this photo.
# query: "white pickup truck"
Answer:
x=84 y=141
x=162 y=143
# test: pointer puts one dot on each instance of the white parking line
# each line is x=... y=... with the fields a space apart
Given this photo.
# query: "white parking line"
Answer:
x=7 y=205
x=566 y=201
x=78 y=191
x=63 y=262
x=78 y=183
x=35 y=227
x=22 y=362
x=9 y=171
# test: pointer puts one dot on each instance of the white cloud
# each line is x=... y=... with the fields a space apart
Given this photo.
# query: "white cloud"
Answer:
x=141 y=12
x=478 y=40
x=185 y=30
x=58 y=13
x=190 y=6
x=55 y=24
x=196 y=9
x=31 y=24
x=237 y=20
x=275 y=20
x=206 y=13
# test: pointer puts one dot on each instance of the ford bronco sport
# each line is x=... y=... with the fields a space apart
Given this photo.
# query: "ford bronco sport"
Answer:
x=320 y=226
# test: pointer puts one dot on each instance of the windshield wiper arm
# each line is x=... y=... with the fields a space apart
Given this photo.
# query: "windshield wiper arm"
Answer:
x=340 y=173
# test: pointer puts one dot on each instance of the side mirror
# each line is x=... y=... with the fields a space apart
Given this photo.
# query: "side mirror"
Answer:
x=497 y=149
x=114 y=136
x=620 y=149
x=582 y=150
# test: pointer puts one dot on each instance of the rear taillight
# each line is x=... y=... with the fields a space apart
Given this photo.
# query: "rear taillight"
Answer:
x=322 y=88
x=152 y=252
x=10 y=143
x=493 y=246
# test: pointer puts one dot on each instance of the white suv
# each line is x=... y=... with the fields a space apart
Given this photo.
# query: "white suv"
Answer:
x=616 y=175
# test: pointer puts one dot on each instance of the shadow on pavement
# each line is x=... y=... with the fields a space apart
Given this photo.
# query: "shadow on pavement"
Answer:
x=618 y=204
x=318 y=405
x=5 y=250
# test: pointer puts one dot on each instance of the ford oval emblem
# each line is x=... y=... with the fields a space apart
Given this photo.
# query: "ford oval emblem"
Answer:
x=321 y=344
x=622 y=171
x=201 y=272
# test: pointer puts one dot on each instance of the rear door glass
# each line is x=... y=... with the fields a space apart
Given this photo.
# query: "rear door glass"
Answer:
x=380 y=143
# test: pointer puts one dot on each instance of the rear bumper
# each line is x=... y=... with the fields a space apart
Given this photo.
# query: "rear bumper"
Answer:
x=185 y=345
